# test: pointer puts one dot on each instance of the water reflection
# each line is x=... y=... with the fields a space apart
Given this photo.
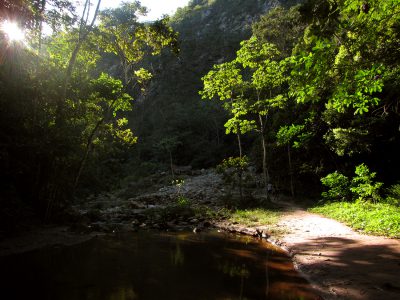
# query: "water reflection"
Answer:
x=154 y=266
x=177 y=257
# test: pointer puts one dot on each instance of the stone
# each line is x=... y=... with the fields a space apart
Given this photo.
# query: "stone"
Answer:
x=206 y=224
x=197 y=229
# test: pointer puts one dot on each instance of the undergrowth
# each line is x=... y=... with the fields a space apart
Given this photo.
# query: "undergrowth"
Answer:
x=255 y=217
x=373 y=218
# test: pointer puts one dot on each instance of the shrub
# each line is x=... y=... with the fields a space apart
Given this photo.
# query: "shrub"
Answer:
x=363 y=186
x=338 y=185
x=393 y=194
x=232 y=167
x=181 y=200
x=232 y=170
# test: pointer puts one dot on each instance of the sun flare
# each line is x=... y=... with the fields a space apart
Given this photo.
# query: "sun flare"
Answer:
x=13 y=32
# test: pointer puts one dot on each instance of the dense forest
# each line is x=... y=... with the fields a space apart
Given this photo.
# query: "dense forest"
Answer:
x=306 y=93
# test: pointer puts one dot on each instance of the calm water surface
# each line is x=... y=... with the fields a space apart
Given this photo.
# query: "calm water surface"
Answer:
x=154 y=266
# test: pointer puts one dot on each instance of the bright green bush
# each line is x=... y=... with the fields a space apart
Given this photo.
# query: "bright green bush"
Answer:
x=393 y=194
x=338 y=185
x=373 y=218
x=361 y=187
x=233 y=164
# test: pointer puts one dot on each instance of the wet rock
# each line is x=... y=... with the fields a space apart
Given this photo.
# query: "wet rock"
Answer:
x=197 y=229
x=259 y=233
x=206 y=224
x=171 y=224
x=136 y=204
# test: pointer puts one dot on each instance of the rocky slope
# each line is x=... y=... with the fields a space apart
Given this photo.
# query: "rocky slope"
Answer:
x=158 y=208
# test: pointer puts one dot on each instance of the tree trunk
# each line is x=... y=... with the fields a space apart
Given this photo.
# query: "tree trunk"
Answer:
x=88 y=150
x=171 y=164
x=240 y=171
x=264 y=148
x=89 y=144
x=83 y=34
x=239 y=144
x=40 y=25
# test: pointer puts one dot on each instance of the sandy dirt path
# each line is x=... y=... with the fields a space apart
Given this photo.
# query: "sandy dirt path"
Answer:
x=339 y=262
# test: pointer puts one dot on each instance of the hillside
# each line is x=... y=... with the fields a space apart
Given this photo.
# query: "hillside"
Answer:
x=171 y=114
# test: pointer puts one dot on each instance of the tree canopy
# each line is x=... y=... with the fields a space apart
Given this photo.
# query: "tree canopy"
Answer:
x=105 y=95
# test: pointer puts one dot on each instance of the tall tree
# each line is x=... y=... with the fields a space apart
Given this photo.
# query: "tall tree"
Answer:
x=225 y=83
x=265 y=87
x=123 y=35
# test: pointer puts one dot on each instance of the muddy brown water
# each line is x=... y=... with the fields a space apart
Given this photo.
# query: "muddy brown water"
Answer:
x=154 y=266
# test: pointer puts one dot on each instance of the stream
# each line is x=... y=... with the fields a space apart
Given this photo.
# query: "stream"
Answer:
x=145 y=265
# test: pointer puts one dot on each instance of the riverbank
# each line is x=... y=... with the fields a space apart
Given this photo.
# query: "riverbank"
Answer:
x=339 y=262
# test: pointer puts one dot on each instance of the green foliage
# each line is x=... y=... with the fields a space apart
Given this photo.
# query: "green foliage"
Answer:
x=393 y=195
x=334 y=66
x=287 y=134
x=253 y=53
x=121 y=34
x=157 y=36
x=232 y=170
x=142 y=77
x=276 y=21
x=372 y=218
x=338 y=185
x=237 y=164
x=255 y=217
x=210 y=33
x=61 y=45
x=327 y=66
x=252 y=84
x=346 y=141
x=360 y=91
x=108 y=92
x=363 y=184
x=125 y=135
x=178 y=183
x=74 y=126
x=343 y=56
x=182 y=201
x=267 y=75
x=224 y=81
